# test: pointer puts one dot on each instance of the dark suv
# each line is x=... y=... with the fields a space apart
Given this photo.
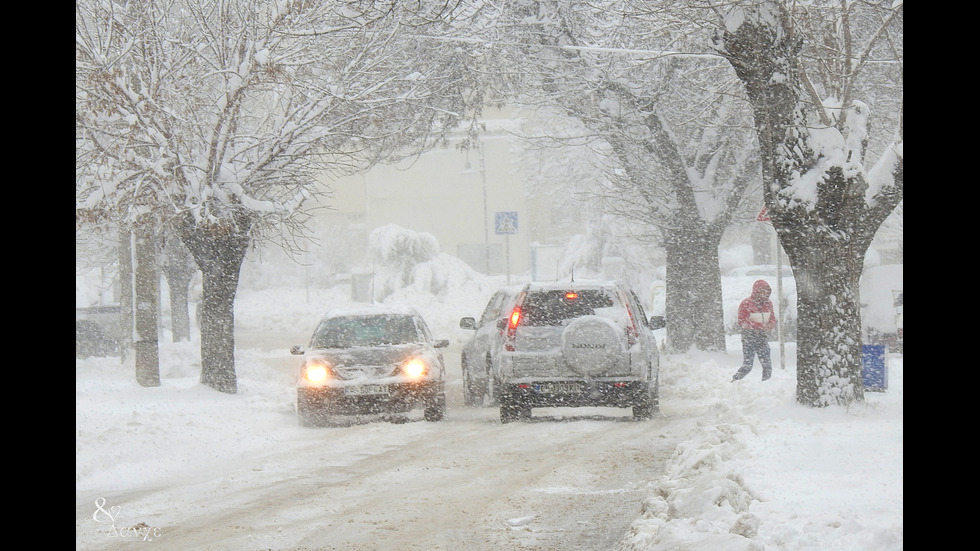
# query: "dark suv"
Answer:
x=577 y=344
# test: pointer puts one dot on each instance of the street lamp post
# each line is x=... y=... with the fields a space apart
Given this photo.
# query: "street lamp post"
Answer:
x=486 y=212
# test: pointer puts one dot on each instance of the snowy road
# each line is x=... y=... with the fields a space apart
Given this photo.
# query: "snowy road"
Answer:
x=570 y=479
x=181 y=467
x=465 y=483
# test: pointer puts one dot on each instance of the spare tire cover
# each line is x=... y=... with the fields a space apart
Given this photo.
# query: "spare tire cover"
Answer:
x=592 y=345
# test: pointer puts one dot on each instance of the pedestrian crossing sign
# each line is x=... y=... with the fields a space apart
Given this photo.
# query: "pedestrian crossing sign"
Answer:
x=505 y=223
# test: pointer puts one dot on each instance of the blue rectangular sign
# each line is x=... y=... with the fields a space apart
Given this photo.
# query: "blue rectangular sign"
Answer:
x=505 y=223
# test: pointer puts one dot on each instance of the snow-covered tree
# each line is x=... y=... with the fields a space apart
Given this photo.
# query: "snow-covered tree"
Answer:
x=668 y=123
x=395 y=254
x=212 y=120
x=816 y=73
x=405 y=263
x=178 y=267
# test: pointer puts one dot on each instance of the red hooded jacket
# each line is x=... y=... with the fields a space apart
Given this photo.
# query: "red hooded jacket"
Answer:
x=755 y=313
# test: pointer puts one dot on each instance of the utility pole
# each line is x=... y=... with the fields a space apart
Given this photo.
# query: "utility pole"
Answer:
x=486 y=211
x=764 y=217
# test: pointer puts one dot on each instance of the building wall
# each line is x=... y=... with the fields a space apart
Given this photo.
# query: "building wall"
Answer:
x=442 y=193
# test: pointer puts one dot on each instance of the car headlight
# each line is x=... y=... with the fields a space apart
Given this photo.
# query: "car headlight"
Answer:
x=316 y=372
x=415 y=368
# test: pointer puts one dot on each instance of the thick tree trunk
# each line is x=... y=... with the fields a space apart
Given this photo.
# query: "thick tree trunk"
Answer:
x=218 y=328
x=828 y=274
x=125 y=293
x=219 y=253
x=762 y=246
x=147 y=292
x=180 y=319
x=179 y=268
x=693 y=306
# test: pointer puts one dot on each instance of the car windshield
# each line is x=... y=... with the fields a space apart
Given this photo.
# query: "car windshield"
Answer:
x=554 y=307
x=349 y=331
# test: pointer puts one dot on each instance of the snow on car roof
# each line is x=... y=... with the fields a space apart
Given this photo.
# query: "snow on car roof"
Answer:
x=372 y=310
x=580 y=283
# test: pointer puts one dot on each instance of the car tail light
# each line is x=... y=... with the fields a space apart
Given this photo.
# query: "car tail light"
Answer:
x=632 y=335
x=632 y=331
x=512 y=322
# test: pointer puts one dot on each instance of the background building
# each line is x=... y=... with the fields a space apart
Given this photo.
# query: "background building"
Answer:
x=475 y=203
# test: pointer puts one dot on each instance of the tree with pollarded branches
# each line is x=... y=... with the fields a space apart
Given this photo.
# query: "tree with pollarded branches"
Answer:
x=666 y=120
x=215 y=121
x=822 y=82
x=816 y=74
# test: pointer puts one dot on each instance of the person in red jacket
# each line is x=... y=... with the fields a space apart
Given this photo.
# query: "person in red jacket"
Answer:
x=756 y=319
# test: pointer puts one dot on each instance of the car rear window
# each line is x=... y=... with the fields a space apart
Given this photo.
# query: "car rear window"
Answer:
x=554 y=307
x=493 y=310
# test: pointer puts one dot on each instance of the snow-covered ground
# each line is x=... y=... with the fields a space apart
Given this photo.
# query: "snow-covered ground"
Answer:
x=759 y=472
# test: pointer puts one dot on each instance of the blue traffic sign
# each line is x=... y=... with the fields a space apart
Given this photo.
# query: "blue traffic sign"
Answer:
x=505 y=223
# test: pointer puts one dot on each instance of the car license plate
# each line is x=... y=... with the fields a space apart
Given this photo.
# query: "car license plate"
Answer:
x=559 y=388
x=365 y=390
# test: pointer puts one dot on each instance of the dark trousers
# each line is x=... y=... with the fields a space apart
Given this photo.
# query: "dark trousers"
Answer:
x=755 y=343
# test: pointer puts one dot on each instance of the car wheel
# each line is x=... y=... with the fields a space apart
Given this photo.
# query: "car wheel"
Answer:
x=510 y=412
x=485 y=389
x=472 y=392
x=310 y=415
x=467 y=387
x=492 y=394
x=655 y=395
x=311 y=418
x=507 y=413
x=649 y=403
x=642 y=413
x=435 y=411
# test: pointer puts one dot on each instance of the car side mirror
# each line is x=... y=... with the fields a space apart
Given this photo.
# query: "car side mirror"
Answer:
x=467 y=323
x=441 y=343
x=297 y=350
x=657 y=322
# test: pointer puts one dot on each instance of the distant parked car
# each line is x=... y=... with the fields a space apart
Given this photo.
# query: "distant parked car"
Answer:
x=481 y=350
x=574 y=344
x=370 y=360
x=97 y=330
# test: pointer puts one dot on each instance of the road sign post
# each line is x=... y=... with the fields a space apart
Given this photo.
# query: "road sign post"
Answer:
x=505 y=223
x=763 y=216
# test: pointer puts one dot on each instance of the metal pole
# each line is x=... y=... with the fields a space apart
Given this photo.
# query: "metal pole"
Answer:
x=507 y=246
x=486 y=212
x=779 y=305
